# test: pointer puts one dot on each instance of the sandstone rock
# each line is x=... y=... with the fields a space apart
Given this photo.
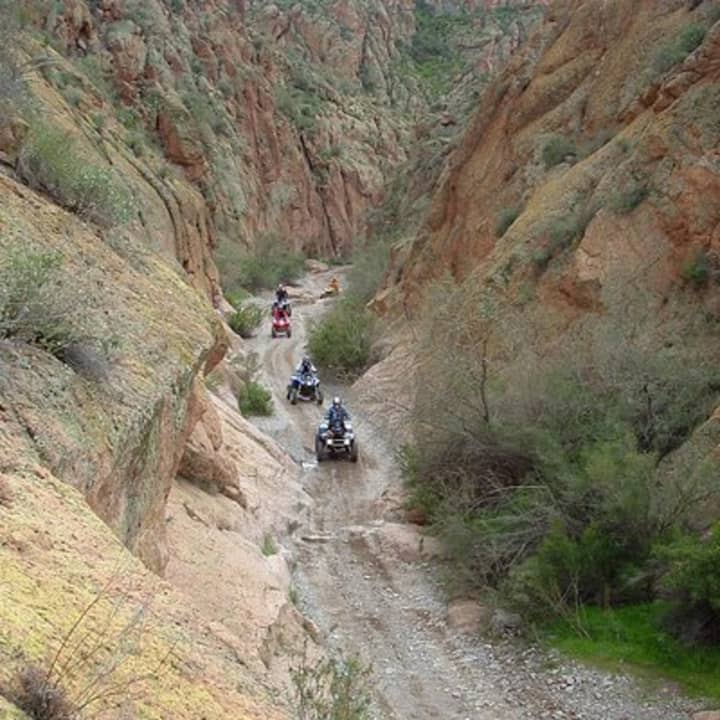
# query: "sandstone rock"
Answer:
x=707 y=715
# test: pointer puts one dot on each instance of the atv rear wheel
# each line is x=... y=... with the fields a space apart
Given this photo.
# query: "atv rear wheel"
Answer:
x=289 y=332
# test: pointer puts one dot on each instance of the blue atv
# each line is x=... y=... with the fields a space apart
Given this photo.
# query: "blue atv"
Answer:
x=304 y=386
x=334 y=439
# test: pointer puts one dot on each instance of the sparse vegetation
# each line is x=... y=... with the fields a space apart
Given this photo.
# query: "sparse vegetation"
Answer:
x=697 y=269
x=269 y=546
x=38 y=304
x=627 y=200
x=255 y=399
x=506 y=217
x=332 y=689
x=51 y=161
x=557 y=149
x=270 y=263
x=342 y=341
x=246 y=319
x=549 y=486
x=677 y=50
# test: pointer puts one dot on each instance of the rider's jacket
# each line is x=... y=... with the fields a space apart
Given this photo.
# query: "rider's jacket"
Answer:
x=335 y=414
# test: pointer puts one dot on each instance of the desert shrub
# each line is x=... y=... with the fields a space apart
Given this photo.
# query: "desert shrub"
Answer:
x=269 y=546
x=693 y=581
x=332 y=689
x=557 y=149
x=505 y=218
x=545 y=485
x=255 y=399
x=696 y=269
x=50 y=161
x=41 y=699
x=626 y=201
x=369 y=263
x=246 y=319
x=677 y=49
x=271 y=262
x=342 y=340
x=37 y=303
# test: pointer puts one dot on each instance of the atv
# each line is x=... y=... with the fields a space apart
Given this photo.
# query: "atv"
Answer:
x=304 y=387
x=334 y=440
x=280 y=323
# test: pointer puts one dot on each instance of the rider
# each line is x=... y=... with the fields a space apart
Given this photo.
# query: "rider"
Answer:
x=306 y=367
x=281 y=294
x=337 y=412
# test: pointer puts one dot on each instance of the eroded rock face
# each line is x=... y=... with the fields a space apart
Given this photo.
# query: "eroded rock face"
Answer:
x=289 y=120
x=112 y=424
x=640 y=166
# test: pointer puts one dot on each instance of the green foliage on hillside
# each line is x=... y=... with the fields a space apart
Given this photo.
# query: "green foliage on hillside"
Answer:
x=551 y=485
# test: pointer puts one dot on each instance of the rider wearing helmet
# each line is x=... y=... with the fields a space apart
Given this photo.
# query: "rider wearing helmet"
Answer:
x=281 y=294
x=306 y=367
x=337 y=412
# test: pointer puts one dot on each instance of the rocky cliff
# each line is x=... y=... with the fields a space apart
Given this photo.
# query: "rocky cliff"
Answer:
x=288 y=118
x=589 y=165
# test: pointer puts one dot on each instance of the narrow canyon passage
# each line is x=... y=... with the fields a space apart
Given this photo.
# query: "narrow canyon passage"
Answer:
x=367 y=582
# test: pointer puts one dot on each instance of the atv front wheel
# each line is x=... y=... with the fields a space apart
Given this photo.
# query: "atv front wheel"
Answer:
x=293 y=396
x=319 y=397
x=354 y=452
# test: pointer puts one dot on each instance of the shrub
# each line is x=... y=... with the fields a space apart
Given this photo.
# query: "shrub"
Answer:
x=696 y=269
x=626 y=201
x=332 y=689
x=369 y=263
x=677 y=50
x=545 y=484
x=37 y=303
x=246 y=319
x=343 y=339
x=270 y=263
x=693 y=578
x=51 y=161
x=506 y=217
x=40 y=698
x=254 y=399
x=269 y=546
x=557 y=149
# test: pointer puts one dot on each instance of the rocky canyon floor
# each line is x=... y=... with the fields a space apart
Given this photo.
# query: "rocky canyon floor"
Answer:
x=369 y=582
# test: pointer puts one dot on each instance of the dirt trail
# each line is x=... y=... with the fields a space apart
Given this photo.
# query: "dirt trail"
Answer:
x=370 y=594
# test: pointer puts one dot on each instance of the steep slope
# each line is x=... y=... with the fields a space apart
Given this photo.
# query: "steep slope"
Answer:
x=288 y=118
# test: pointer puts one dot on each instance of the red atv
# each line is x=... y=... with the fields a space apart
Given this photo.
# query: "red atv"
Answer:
x=280 y=322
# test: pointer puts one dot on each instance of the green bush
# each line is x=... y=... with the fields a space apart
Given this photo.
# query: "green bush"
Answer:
x=343 y=339
x=254 y=399
x=626 y=201
x=697 y=269
x=677 y=50
x=50 y=160
x=545 y=485
x=246 y=319
x=506 y=217
x=37 y=302
x=332 y=689
x=557 y=149
x=269 y=264
x=693 y=579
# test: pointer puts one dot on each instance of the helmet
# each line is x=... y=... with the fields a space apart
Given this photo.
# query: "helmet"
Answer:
x=337 y=402
x=305 y=360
